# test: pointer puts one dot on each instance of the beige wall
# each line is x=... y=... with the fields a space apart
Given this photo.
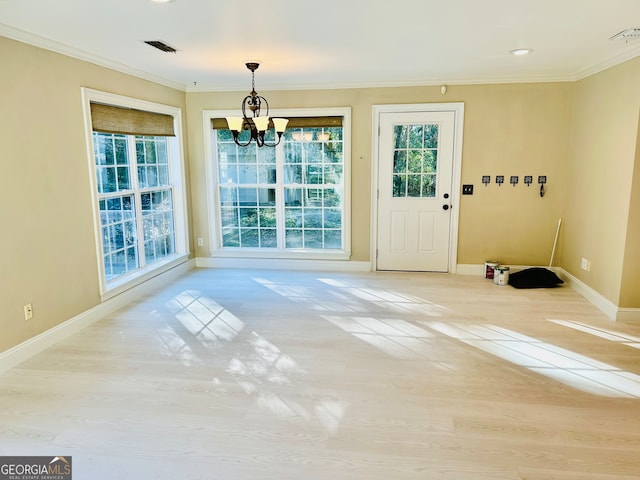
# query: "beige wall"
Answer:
x=600 y=183
x=48 y=245
x=48 y=249
x=520 y=129
x=630 y=288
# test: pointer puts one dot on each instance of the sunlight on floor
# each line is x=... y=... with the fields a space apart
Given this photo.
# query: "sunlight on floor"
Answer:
x=307 y=296
x=570 y=368
x=393 y=301
x=205 y=319
x=261 y=371
x=395 y=337
x=607 y=334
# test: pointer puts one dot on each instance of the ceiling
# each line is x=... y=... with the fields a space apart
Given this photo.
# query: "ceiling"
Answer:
x=303 y=44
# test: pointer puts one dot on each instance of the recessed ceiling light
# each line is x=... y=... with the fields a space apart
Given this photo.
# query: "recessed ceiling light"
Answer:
x=162 y=1
x=518 y=52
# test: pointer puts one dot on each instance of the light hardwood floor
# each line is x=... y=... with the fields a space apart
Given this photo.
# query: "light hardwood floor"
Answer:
x=244 y=374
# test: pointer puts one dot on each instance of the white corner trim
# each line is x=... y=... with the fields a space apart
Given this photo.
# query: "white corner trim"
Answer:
x=605 y=306
x=628 y=315
x=283 y=264
x=25 y=350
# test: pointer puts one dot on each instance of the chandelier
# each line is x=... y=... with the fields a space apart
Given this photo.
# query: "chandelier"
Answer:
x=256 y=123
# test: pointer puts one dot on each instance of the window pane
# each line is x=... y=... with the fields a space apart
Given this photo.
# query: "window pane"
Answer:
x=229 y=217
x=333 y=239
x=428 y=185
x=268 y=238
x=313 y=239
x=267 y=174
x=228 y=196
x=431 y=136
x=400 y=135
x=249 y=238
x=293 y=238
x=118 y=235
x=293 y=173
x=399 y=185
x=158 y=224
x=123 y=178
x=248 y=174
x=312 y=218
x=231 y=237
x=249 y=217
x=415 y=161
x=332 y=218
x=121 y=149
x=228 y=173
x=413 y=185
x=415 y=136
x=267 y=217
x=400 y=161
x=293 y=217
x=142 y=177
x=430 y=161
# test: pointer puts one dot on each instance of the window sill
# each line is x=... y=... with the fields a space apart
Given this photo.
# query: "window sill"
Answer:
x=300 y=254
x=120 y=285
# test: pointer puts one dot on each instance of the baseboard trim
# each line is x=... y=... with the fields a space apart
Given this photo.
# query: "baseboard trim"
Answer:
x=478 y=269
x=611 y=310
x=27 y=349
x=605 y=306
x=283 y=264
x=628 y=315
x=470 y=269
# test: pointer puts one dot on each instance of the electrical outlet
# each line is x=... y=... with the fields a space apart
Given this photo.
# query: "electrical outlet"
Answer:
x=513 y=180
x=499 y=179
x=28 y=312
x=585 y=264
x=486 y=180
x=542 y=179
x=528 y=180
x=467 y=189
x=200 y=242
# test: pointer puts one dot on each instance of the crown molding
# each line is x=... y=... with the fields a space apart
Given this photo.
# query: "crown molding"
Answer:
x=79 y=54
x=74 y=52
x=610 y=62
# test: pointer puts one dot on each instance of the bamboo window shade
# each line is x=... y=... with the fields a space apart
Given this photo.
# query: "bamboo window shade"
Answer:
x=294 y=122
x=129 y=121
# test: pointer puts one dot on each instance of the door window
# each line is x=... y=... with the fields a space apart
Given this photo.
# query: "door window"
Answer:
x=415 y=160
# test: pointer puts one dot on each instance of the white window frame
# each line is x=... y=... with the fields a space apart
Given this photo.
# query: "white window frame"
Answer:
x=213 y=200
x=178 y=181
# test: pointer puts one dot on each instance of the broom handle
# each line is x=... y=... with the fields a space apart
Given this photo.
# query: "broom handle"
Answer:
x=553 y=252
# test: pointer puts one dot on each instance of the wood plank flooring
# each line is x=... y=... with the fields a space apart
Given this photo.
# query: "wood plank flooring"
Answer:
x=246 y=374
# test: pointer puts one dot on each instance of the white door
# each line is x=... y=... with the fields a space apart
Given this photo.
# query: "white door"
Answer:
x=415 y=172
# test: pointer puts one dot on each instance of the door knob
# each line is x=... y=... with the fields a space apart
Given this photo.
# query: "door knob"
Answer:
x=445 y=207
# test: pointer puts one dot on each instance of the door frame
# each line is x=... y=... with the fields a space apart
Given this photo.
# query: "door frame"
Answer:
x=458 y=110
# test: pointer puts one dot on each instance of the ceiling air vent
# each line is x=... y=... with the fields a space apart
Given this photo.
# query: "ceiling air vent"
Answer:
x=160 y=45
x=627 y=35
